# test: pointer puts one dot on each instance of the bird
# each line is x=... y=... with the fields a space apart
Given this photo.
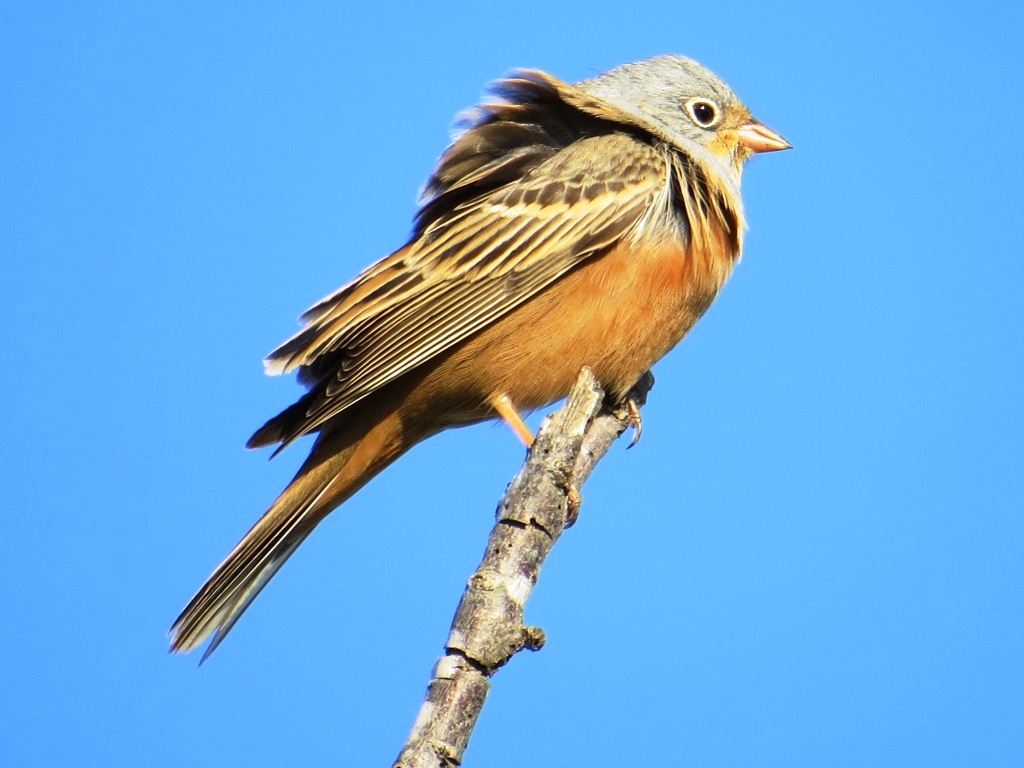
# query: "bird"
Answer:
x=566 y=225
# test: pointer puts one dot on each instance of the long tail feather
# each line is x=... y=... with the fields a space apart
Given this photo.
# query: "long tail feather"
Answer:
x=339 y=465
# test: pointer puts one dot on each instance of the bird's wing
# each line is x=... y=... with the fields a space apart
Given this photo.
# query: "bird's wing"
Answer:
x=468 y=268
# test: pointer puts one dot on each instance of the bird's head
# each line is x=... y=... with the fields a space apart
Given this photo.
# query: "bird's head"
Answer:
x=686 y=105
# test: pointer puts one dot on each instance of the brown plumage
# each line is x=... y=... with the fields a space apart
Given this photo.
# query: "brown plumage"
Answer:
x=567 y=226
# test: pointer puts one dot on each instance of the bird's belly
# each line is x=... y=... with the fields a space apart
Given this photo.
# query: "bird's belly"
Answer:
x=618 y=315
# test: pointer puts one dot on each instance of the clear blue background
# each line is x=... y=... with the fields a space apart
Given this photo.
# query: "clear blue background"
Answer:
x=814 y=556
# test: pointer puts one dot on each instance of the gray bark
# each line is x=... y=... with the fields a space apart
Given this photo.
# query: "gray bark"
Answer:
x=488 y=628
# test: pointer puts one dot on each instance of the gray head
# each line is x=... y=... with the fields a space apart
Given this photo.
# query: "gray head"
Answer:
x=686 y=105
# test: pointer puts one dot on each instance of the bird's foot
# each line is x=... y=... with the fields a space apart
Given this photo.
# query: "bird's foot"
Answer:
x=572 y=508
x=633 y=414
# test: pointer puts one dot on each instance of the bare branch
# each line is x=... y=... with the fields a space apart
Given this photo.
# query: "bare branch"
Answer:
x=488 y=628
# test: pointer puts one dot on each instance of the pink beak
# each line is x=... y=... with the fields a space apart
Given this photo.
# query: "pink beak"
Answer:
x=760 y=138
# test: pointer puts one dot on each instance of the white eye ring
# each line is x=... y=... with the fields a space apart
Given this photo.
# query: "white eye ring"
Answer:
x=704 y=112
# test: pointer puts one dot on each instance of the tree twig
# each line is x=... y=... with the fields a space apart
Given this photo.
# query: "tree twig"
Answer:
x=488 y=627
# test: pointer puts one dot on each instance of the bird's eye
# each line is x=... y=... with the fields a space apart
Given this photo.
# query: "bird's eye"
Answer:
x=703 y=112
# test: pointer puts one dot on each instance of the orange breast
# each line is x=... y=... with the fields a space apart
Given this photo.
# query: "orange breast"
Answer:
x=618 y=314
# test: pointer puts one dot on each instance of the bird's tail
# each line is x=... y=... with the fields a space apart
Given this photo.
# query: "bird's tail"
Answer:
x=342 y=461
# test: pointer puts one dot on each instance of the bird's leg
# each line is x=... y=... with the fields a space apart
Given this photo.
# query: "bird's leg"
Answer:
x=633 y=414
x=510 y=416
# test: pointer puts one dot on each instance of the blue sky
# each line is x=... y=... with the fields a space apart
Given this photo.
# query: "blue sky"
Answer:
x=814 y=556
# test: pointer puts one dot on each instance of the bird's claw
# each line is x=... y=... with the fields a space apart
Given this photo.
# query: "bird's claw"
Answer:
x=633 y=414
x=572 y=507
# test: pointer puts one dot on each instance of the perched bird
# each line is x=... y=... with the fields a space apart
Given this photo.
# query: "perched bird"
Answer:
x=567 y=226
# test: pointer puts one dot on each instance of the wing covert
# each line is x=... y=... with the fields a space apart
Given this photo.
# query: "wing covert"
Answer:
x=468 y=268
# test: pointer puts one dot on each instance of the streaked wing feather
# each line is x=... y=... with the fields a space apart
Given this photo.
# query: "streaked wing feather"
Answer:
x=459 y=296
x=511 y=207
